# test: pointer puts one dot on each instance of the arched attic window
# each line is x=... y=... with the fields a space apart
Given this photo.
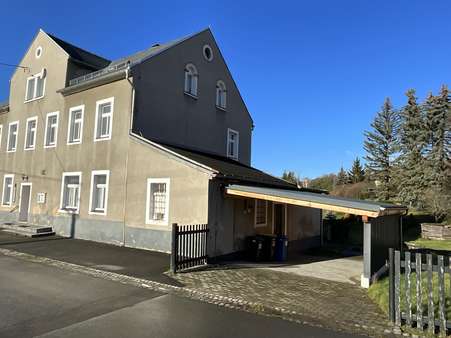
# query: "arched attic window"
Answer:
x=221 y=95
x=191 y=79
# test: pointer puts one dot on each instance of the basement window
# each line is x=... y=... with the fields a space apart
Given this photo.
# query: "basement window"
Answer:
x=157 y=206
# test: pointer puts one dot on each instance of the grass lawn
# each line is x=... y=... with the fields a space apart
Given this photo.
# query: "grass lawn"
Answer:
x=378 y=292
x=422 y=243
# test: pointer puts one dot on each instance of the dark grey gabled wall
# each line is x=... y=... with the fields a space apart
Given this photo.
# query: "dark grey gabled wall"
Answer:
x=163 y=112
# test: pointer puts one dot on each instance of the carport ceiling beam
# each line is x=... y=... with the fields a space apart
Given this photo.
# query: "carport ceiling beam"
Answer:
x=304 y=203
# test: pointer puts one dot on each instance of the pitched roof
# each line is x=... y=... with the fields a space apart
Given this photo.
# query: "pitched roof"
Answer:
x=81 y=55
x=231 y=169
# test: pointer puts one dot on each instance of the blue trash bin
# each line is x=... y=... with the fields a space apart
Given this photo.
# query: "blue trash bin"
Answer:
x=281 y=250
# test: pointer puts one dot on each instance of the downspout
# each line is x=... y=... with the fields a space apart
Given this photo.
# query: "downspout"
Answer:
x=132 y=107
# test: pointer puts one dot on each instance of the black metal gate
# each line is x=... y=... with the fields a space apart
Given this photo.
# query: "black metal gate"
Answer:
x=189 y=246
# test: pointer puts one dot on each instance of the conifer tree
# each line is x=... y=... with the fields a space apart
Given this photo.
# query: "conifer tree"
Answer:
x=381 y=146
x=357 y=173
x=437 y=155
x=342 y=177
x=411 y=177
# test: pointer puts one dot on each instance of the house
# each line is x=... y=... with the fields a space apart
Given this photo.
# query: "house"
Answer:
x=117 y=151
x=132 y=145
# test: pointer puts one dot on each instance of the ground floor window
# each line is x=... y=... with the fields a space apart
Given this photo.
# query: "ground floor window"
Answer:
x=157 y=204
x=8 y=189
x=261 y=213
x=70 y=192
x=99 y=191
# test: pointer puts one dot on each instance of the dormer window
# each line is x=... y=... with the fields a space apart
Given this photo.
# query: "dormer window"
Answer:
x=191 y=80
x=35 y=86
x=221 y=95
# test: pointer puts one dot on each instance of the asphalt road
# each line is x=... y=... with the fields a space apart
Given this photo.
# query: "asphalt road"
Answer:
x=39 y=300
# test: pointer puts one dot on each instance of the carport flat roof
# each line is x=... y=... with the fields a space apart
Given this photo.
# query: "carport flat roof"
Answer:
x=318 y=201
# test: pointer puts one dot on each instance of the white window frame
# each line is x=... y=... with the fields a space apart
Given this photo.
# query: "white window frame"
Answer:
x=221 y=95
x=237 y=144
x=98 y=104
x=191 y=88
x=9 y=137
x=46 y=129
x=34 y=118
x=73 y=173
x=11 y=196
x=1 y=135
x=165 y=221
x=258 y=225
x=91 y=191
x=36 y=76
x=69 y=125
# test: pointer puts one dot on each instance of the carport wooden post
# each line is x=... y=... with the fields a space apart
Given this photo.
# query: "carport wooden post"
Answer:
x=366 y=276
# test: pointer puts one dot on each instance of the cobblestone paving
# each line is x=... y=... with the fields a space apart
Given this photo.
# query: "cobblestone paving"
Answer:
x=330 y=304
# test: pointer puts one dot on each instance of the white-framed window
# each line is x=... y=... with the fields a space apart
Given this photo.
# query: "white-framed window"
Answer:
x=70 y=192
x=8 y=190
x=51 y=130
x=104 y=119
x=191 y=78
x=35 y=88
x=221 y=95
x=233 y=140
x=98 y=199
x=157 y=202
x=75 y=126
x=13 y=134
x=1 y=135
x=30 y=133
x=261 y=213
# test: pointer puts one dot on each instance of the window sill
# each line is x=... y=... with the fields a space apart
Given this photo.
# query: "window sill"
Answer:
x=11 y=151
x=50 y=146
x=34 y=99
x=102 y=139
x=64 y=211
x=221 y=108
x=73 y=143
x=191 y=95
x=232 y=158
x=97 y=213
x=28 y=149
x=260 y=225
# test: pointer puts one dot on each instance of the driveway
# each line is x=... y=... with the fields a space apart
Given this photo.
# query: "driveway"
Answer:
x=345 y=270
x=127 y=261
x=37 y=299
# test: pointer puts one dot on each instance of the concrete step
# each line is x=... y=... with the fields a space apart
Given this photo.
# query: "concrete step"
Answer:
x=29 y=230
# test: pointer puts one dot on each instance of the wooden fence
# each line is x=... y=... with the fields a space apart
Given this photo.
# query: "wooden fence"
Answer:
x=189 y=246
x=417 y=290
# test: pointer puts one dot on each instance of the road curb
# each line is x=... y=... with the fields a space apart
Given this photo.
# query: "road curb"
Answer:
x=223 y=301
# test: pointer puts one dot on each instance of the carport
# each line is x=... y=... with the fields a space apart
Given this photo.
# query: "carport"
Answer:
x=381 y=221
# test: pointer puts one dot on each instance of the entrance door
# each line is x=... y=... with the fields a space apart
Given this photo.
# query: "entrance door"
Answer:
x=25 y=199
x=279 y=219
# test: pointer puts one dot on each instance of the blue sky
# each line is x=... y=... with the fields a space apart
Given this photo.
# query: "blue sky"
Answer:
x=312 y=73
